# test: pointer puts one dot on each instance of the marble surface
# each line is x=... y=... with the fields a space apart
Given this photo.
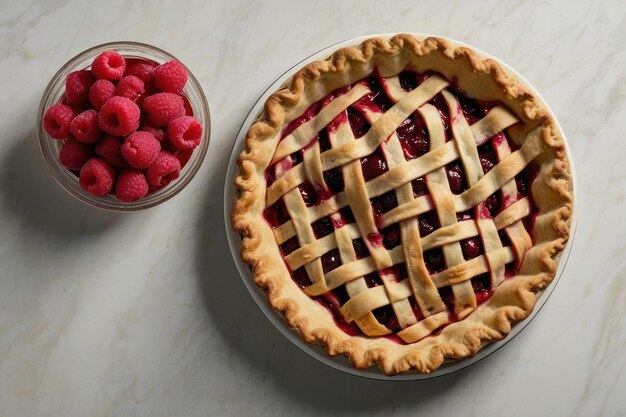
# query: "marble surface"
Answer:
x=107 y=314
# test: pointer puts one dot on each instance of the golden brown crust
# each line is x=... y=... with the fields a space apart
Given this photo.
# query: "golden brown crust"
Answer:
x=483 y=78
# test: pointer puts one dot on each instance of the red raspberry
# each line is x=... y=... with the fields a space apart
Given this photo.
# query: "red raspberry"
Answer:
x=109 y=148
x=130 y=87
x=97 y=176
x=101 y=91
x=74 y=154
x=170 y=77
x=148 y=91
x=85 y=127
x=57 y=121
x=163 y=108
x=163 y=170
x=119 y=116
x=108 y=65
x=184 y=155
x=184 y=132
x=157 y=132
x=144 y=70
x=75 y=109
x=140 y=149
x=131 y=185
x=77 y=85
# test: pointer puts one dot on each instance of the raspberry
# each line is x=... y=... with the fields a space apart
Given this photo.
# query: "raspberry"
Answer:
x=163 y=170
x=163 y=108
x=77 y=85
x=144 y=70
x=170 y=77
x=185 y=132
x=159 y=134
x=130 y=87
x=140 y=149
x=183 y=156
x=97 y=176
x=108 y=65
x=100 y=92
x=119 y=116
x=131 y=185
x=74 y=154
x=57 y=121
x=75 y=109
x=85 y=127
x=109 y=148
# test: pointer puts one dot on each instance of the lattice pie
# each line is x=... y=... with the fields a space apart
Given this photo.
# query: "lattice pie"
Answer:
x=403 y=202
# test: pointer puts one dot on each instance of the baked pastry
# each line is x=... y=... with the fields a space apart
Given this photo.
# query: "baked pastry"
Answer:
x=403 y=202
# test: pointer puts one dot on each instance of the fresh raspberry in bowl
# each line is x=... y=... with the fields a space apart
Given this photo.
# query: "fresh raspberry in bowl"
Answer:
x=110 y=149
x=131 y=185
x=170 y=77
x=124 y=126
x=84 y=127
x=162 y=108
x=74 y=154
x=57 y=121
x=119 y=116
x=130 y=87
x=77 y=86
x=184 y=132
x=140 y=149
x=100 y=92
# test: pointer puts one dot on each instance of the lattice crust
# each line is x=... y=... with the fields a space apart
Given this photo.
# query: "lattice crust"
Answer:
x=526 y=122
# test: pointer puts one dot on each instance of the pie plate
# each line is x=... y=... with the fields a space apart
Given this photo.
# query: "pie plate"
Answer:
x=340 y=362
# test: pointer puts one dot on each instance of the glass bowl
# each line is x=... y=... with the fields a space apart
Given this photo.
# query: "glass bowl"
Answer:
x=50 y=147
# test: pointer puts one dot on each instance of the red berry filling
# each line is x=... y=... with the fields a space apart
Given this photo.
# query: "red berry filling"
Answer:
x=373 y=165
x=419 y=187
x=114 y=97
x=309 y=194
x=471 y=248
x=414 y=139
x=330 y=261
x=384 y=203
x=456 y=177
x=323 y=227
x=358 y=124
x=276 y=214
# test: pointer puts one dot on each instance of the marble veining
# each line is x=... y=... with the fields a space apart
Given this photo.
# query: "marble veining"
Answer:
x=107 y=314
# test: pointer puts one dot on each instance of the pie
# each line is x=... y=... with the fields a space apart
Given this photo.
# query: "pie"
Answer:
x=403 y=202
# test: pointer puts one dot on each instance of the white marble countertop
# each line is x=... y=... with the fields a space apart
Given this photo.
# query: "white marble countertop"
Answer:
x=143 y=314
